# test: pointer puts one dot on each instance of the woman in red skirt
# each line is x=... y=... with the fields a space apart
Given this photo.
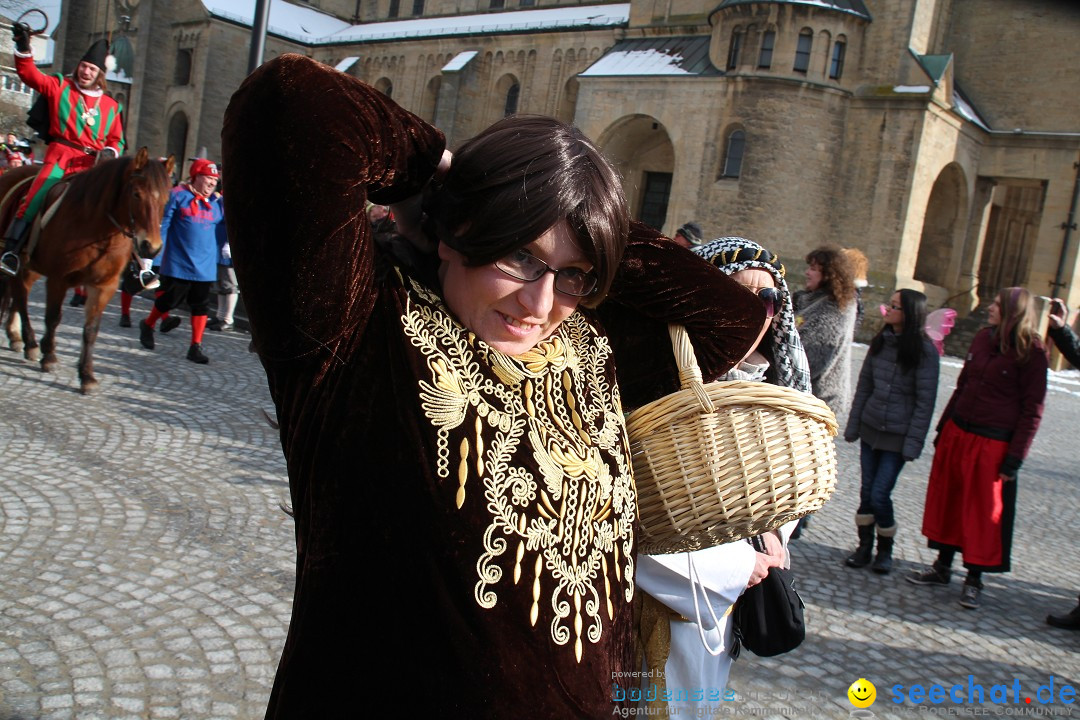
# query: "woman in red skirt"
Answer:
x=984 y=435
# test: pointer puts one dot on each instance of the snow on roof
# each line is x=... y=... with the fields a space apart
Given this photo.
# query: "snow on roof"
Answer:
x=637 y=62
x=500 y=22
x=964 y=109
x=287 y=20
x=911 y=89
x=855 y=7
x=311 y=26
x=655 y=56
x=459 y=61
x=345 y=64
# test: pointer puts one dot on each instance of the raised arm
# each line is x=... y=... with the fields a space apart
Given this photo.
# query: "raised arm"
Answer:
x=304 y=146
x=660 y=283
x=28 y=72
x=1068 y=344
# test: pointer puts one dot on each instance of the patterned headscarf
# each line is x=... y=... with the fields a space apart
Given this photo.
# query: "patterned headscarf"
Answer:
x=732 y=254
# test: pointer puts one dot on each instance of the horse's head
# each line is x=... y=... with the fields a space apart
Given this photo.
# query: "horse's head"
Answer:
x=147 y=183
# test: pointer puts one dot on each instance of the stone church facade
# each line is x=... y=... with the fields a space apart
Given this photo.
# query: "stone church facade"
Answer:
x=941 y=137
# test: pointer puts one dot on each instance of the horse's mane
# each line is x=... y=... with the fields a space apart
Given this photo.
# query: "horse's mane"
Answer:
x=100 y=185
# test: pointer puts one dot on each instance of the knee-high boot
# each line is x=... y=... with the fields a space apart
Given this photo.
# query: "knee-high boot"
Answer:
x=861 y=557
x=883 y=561
x=14 y=239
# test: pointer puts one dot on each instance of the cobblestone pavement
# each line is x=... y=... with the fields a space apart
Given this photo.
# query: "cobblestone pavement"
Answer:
x=146 y=562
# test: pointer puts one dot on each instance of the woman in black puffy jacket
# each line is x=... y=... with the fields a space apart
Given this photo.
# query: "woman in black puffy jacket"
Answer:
x=891 y=414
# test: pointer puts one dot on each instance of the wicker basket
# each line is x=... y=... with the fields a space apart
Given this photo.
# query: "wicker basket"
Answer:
x=727 y=460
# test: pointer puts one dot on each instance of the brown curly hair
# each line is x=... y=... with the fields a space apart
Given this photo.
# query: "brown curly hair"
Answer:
x=837 y=274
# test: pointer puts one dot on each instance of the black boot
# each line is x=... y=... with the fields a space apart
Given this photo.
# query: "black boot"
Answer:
x=196 y=355
x=883 y=562
x=861 y=557
x=1069 y=621
x=14 y=240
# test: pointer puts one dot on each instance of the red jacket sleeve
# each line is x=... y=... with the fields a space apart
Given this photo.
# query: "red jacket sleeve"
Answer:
x=47 y=85
x=115 y=137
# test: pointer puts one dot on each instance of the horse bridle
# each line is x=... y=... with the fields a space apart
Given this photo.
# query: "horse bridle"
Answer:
x=129 y=232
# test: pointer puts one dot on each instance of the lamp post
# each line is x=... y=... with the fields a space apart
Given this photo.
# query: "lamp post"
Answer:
x=258 y=34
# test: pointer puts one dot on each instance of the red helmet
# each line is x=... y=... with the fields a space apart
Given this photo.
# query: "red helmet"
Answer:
x=202 y=166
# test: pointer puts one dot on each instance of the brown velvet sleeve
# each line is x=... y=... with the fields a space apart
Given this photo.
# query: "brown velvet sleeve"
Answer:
x=660 y=283
x=303 y=147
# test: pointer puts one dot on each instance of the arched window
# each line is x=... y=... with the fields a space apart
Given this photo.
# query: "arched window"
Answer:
x=836 y=66
x=395 y=8
x=497 y=4
x=418 y=7
x=512 y=94
x=802 y=51
x=768 y=42
x=182 y=71
x=431 y=99
x=176 y=139
x=384 y=86
x=734 y=49
x=733 y=154
x=568 y=102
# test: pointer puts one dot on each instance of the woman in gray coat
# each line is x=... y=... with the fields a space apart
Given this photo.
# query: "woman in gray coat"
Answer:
x=891 y=413
x=825 y=318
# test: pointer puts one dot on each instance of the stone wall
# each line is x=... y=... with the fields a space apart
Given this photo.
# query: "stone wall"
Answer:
x=1013 y=52
x=859 y=160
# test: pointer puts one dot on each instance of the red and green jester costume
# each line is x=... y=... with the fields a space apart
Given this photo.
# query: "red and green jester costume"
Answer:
x=86 y=118
x=83 y=123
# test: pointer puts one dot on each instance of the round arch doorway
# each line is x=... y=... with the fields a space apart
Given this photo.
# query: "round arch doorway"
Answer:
x=641 y=150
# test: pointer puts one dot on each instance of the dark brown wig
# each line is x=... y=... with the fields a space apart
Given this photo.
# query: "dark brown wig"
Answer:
x=519 y=178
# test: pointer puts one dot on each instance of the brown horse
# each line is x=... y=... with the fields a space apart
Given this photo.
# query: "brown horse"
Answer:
x=105 y=215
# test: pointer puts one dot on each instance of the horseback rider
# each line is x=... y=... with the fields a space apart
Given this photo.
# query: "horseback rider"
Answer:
x=84 y=125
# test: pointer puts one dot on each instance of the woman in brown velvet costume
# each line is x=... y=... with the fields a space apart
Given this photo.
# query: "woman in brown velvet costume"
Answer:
x=453 y=428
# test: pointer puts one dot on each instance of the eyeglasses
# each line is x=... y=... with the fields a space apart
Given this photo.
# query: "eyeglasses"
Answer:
x=772 y=298
x=522 y=265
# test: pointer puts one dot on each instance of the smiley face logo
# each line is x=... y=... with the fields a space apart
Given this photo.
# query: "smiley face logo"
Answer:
x=862 y=693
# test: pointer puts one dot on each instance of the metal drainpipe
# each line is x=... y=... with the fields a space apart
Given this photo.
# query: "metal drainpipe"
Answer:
x=1068 y=226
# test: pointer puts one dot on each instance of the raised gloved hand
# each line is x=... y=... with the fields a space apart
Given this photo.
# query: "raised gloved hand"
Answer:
x=20 y=32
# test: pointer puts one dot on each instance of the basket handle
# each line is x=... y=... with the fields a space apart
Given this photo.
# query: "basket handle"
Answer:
x=689 y=371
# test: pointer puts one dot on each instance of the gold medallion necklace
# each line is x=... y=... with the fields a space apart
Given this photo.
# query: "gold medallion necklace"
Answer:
x=89 y=114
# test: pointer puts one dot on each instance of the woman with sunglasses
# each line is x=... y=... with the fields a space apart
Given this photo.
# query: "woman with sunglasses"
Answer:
x=891 y=413
x=671 y=642
x=452 y=420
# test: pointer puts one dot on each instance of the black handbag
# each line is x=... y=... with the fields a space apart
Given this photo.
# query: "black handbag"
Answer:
x=768 y=618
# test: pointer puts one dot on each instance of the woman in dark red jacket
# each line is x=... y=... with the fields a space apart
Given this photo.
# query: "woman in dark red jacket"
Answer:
x=985 y=433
